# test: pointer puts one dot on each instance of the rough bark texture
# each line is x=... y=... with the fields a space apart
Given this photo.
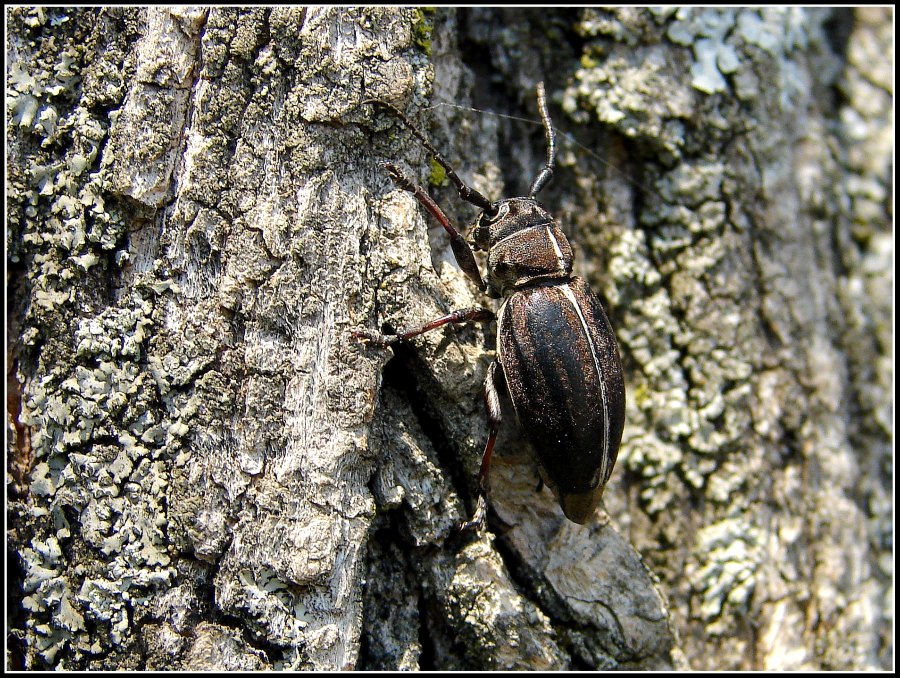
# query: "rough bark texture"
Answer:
x=205 y=471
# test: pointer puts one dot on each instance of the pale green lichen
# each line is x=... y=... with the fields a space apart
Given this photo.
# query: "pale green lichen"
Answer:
x=423 y=28
x=92 y=383
x=730 y=553
x=717 y=36
x=125 y=518
x=438 y=176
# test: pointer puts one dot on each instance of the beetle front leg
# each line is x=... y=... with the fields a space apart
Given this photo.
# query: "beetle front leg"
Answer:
x=461 y=249
x=463 y=315
x=495 y=415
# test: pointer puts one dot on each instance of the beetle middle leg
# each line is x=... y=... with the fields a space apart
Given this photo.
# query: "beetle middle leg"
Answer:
x=462 y=251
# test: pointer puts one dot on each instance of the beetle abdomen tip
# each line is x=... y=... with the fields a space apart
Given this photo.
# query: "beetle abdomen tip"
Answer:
x=579 y=507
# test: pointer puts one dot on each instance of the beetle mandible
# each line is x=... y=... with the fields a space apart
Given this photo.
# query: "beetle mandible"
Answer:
x=556 y=352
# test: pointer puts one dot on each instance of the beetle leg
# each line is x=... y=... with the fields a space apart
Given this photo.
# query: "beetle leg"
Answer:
x=495 y=415
x=461 y=249
x=463 y=315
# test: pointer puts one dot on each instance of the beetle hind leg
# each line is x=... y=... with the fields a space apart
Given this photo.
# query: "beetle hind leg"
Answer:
x=495 y=416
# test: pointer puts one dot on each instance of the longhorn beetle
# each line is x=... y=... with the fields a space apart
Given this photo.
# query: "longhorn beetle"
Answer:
x=556 y=352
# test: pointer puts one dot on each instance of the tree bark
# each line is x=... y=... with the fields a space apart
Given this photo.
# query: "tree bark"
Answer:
x=206 y=470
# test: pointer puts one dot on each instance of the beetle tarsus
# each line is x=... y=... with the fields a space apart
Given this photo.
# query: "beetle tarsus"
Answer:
x=375 y=338
x=476 y=522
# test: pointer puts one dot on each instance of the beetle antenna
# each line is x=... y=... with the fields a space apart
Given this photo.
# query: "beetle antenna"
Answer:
x=571 y=138
x=546 y=172
x=465 y=191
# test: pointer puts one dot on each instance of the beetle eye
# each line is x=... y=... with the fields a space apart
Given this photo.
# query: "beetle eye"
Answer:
x=499 y=212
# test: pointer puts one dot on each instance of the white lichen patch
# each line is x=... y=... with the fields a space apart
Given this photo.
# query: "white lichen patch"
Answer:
x=728 y=555
x=264 y=595
x=48 y=590
x=119 y=489
x=655 y=460
x=622 y=90
x=718 y=36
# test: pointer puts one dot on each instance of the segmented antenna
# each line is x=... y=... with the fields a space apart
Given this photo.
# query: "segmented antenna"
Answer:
x=546 y=172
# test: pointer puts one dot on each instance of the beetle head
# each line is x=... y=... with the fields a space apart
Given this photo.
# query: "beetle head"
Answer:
x=508 y=217
x=524 y=245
